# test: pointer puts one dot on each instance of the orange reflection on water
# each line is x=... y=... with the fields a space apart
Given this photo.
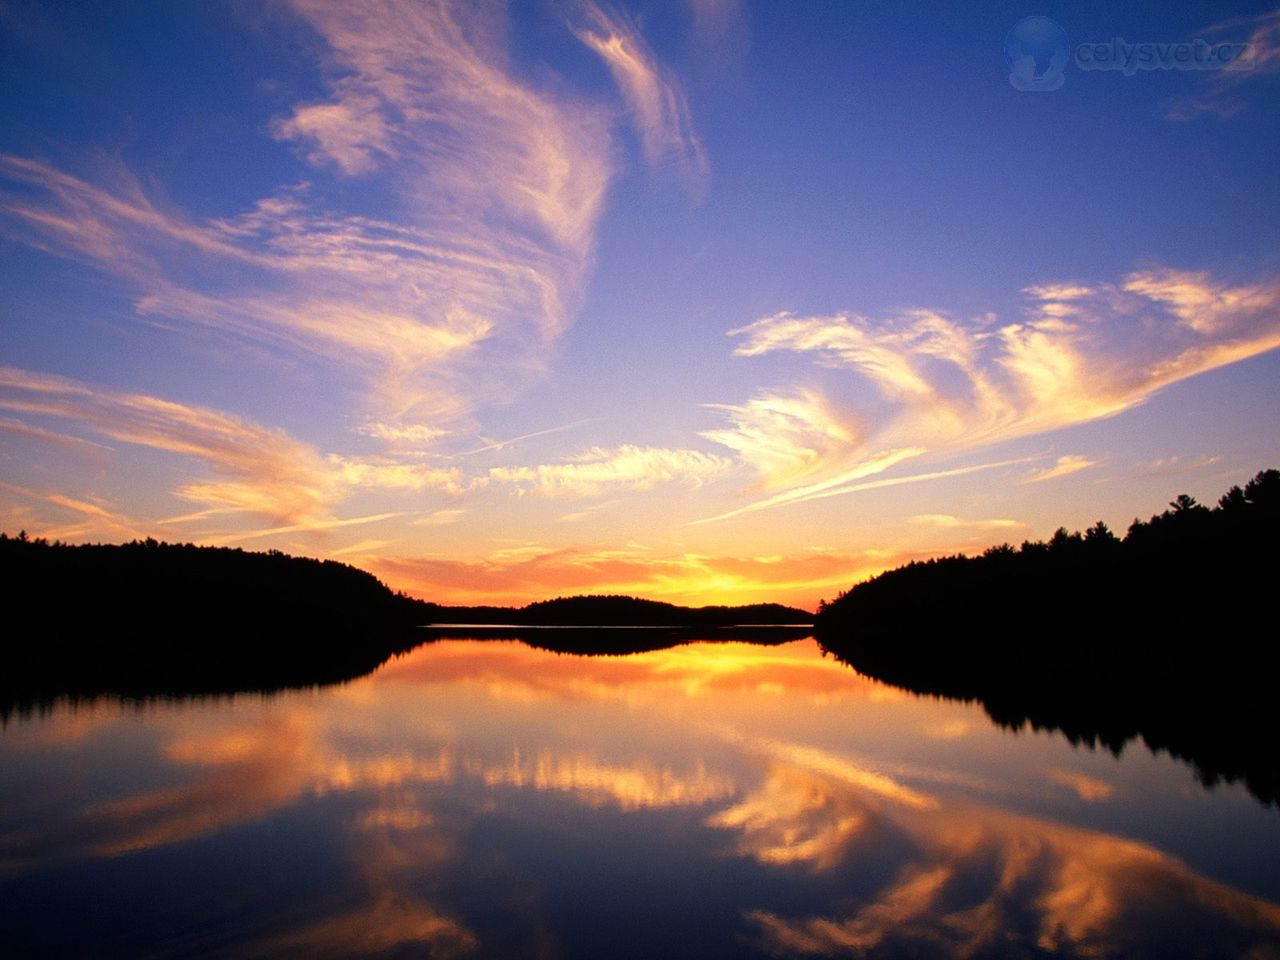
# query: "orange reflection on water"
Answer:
x=642 y=785
x=976 y=878
x=509 y=668
x=981 y=879
x=415 y=763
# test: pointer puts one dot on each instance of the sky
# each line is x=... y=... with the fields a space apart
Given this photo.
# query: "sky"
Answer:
x=698 y=300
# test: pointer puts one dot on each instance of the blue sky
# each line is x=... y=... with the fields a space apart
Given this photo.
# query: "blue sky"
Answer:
x=703 y=300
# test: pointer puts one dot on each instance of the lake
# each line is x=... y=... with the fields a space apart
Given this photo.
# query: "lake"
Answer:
x=488 y=799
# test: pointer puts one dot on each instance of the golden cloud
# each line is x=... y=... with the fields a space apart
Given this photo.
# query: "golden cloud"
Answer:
x=600 y=471
x=1083 y=352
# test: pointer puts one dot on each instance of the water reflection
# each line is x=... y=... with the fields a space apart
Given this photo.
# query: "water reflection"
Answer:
x=487 y=799
x=595 y=784
x=972 y=881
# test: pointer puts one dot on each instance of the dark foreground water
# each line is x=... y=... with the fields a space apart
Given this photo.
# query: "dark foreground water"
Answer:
x=487 y=799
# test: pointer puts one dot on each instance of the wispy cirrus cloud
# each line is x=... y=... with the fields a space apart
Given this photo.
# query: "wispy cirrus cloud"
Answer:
x=1176 y=466
x=1063 y=467
x=1260 y=37
x=76 y=516
x=350 y=133
x=396 y=475
x=494 y=188
x=599 y=471
x=949 y=522
x=488 y=191
x=488 y=444
x=256 y=469
x=436 y=288
x=19 y=429
x=311 y=526
x=1081 y=353
x=437 y=77
x=440 y=518
x=787 y=437
x=656 y=103
x=249 y=469
x=945 y=386
x=854 y=480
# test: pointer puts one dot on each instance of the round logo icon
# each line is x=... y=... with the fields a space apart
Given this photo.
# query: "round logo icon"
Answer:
x=1037 y=51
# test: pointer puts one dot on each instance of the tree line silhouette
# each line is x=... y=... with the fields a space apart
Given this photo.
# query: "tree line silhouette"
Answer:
x=147 y=617
x=1165 y=635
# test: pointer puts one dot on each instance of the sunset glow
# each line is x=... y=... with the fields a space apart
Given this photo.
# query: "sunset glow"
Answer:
x=703 y=301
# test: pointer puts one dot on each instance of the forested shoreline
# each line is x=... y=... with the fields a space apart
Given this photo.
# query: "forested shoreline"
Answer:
x=148 y=618
x=1164 y=635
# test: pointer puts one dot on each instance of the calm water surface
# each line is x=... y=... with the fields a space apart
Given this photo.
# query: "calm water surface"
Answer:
x=487 y=799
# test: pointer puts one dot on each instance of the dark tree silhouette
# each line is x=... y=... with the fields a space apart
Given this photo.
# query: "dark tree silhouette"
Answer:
x=1166 y=635
x=147 y=618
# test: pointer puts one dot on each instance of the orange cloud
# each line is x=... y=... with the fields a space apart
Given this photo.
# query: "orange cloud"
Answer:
x=1065 y=466
x=247 y=773
x=86 y=517
x=1088 y=789
x=788 y=437
x=1083 y=352
x=639 y=786
x=265 y=471
x=947 y=521
x=519 y=575
x=787 y=821
x=975 y=879
x=497 y=187
x=600 y=471
x=390 y=921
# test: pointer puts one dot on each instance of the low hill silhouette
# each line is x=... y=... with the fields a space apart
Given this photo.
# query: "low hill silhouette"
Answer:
x=620 y=611
x=617 y=625
x=146 y=618
x=1166 y=635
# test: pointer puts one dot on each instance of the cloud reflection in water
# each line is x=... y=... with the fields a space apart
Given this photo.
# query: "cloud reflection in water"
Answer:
x=462 y=791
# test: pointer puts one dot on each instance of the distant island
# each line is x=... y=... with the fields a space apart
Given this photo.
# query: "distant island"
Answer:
x=1166 y=635
x=602 y=625
x=618 y=611
x=185 y=620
